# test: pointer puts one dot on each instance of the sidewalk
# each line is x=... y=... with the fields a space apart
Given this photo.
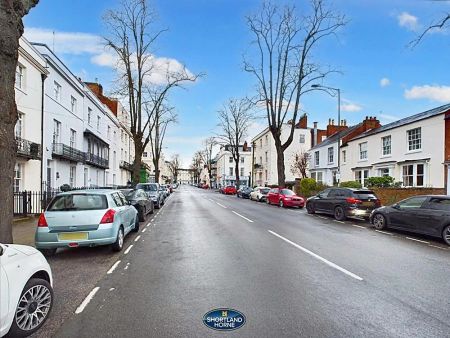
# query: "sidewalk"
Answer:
x=23 y=230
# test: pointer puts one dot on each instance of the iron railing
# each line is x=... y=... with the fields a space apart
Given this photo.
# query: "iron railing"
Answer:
x=125 y=165
x=64 y=151
x=28 y=149
x=97 y=161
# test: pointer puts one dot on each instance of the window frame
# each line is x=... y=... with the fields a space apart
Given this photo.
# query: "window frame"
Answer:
x=386 y=146
x=361 y=151
x=410 y=140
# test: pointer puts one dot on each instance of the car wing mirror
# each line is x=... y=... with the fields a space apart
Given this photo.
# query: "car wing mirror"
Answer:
x=2 y=250
x=396 y=206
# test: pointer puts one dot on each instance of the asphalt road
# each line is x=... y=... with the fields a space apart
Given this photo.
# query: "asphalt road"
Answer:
x=291 y=274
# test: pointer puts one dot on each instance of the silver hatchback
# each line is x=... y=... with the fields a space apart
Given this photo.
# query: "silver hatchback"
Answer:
x=86 y=218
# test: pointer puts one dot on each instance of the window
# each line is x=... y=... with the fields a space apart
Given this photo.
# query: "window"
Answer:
x=126 y=156
x=18 y=174
x=79 y=202
x=386 y=141
x=330 y=155
x=242 y=171
x=56 y=131
x=363 y=151
x=121 y=154
x=344 y=156
x=413 y=175
x=57 y=91
x=144 y=154
x=414 y=139
x=98 y=122
x=267 y=139
x=114 y=160
x=316 y=158
x=108 y=133
x=266 y=156
x=72 y=176
x=319 y=177
x=114 y=179
x=230 y=159
x=260 y=160
x=89 y=116
x=314 y=176
x=334 y=174
x=231 y=171
x=302 y=138
x=242 y=159
x=412 y=203
x=73 y=105
x=73 y=138
x=20 y=77
x=383 y=172
x=361 y=176
x=121 y=136
x=19 y=126
x=114 y=135
x=260 y=142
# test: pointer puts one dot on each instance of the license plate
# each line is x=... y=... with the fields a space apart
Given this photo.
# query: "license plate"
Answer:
x=368 y=204
x=73 y=236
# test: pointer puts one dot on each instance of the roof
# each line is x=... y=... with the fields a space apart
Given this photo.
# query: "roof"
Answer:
x=89 y=191
x=333 y=138
x=407 y=120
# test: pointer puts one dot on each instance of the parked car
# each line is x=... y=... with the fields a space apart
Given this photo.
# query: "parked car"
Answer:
x=244 y=192
x=259 y=194
x=229 y=190
x=86 y=218
x=154 y=191
x=26 y=293
x=205 y=186
x=165 y=192
x=222 y=190
x=169 y=186
x=141 y=201
x=426 y=214
x=344 y=202
x=284 y=198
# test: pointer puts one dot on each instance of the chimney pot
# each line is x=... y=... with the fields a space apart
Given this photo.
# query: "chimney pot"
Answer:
x=332 y=122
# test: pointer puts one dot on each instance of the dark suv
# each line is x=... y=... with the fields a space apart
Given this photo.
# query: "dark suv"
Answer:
x=344 y=202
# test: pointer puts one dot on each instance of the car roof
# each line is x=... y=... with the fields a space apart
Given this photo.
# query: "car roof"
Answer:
x=90 y=191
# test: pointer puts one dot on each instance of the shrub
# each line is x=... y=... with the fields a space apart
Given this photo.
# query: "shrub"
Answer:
x=351 y=184
x=307 y=187
x=380 y=182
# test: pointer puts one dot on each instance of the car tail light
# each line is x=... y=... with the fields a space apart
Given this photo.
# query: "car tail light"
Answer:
x=108 y=217
x=352 y=200
x=42 y=222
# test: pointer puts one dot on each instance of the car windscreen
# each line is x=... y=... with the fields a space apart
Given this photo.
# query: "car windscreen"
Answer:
x=147 y=187
x=365 y=195
x=131 y=195
x=78 y=202
x=287 y=192
x=265 y=191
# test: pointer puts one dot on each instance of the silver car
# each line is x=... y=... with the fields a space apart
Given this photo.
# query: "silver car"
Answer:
x=86 y=218
x=155 y=193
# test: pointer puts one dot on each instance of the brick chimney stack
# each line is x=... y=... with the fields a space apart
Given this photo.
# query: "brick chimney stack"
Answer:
x=369 y=123
x=303 y=122
x=245 y=146
x=333 y=129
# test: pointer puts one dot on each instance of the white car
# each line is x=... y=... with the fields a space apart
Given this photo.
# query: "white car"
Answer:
x=25 y=289
x=259 y=194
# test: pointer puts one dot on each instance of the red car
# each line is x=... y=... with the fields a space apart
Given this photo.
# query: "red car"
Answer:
x=284 y=198
x=229 y=190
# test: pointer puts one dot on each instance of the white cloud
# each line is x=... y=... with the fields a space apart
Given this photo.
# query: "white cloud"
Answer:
x=384 y=82
x=388 y=117
x=434 y=93
x=408 y=21
x=350 y=107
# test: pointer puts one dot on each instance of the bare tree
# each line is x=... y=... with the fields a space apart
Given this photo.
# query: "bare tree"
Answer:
x=208 y=144
x=131 y=37
x=285 y=67
x=174 y=165
x=437 y=25
x=11 y=29
x=196 y=165
x=234 y=120
x=299 y=164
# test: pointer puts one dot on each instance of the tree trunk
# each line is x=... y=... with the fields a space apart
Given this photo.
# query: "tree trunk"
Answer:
x=138 y=150
x=157 y=171
x=280 y=167
x=11 y=29
x=236 y=171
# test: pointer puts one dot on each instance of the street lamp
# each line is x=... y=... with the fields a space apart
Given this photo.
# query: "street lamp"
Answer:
x=338 y=91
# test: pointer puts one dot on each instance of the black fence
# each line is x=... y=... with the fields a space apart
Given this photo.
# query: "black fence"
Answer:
x=32 y=202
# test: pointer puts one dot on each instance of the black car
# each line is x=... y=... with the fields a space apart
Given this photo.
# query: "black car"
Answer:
x=140 y=200
x=244 y=192
x=344 y=202
x=428 y=215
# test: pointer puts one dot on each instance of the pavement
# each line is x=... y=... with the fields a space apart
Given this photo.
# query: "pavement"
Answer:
x=291 y=274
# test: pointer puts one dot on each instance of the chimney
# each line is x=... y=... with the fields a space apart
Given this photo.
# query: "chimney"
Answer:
x=96 y=88
x=303 y=122
x=369 y=123
x=333 y=129
x=245 y=146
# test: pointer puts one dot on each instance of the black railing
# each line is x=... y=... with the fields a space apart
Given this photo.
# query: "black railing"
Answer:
x=64 y=151
x=28 y=149
x=97 y=161
x=125 y=165
x=32 y=202
x=258 y=166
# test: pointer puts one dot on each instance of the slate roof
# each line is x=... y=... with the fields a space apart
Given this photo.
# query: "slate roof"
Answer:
x=333 y=138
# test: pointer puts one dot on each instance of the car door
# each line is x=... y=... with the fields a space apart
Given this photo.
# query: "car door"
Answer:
x=121 y=211
x=433 y=215
x=272 y=196
x=128 y=210
x=331 y=200
x=4 y=292
x=321 y=200
x=404 y=214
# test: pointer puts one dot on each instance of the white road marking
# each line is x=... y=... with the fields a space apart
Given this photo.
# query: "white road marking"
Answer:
x=439 y=247
x=247 y=219
x=144 y=230
x=335 y=266
x=111 y=289
x=111 y=270
x=384 y=232
x=322 y=217
x=358 y=226
x=128 y=249
x=221 y=205
x=340 y=222
x=137 y=238
x=210 y=199
x=417 y=240
x=87 y=300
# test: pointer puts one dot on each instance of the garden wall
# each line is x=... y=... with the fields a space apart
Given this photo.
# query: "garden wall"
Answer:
x=390 y=196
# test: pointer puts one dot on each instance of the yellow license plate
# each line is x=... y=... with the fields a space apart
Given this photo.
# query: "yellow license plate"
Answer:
x=368 y=204
x=73 y=236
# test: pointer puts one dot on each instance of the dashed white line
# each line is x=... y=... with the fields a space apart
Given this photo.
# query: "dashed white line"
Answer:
x=358 y=226
x=210 y=199
x=128 y=249
x=340 y=222
x=438 y=247
x=87 y=300
x=137 y=238
x=417 y=240
x=326 y=261
x=111 y=270
x=221 y=205
x=322 y=217
x=144 y=230
x=247 y=219
x=384 y=232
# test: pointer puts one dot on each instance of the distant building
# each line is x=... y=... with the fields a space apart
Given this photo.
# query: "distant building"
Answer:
x=225 y=165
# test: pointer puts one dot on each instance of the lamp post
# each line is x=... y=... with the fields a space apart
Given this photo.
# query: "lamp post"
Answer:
x=338 y=91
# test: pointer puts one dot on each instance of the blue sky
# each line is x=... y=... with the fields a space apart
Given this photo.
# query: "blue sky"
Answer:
x=380 y=74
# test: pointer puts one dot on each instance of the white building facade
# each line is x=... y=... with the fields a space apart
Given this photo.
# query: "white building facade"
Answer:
x=225 y=172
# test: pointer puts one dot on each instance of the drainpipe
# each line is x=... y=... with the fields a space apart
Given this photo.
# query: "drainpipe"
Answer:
x=43 y=77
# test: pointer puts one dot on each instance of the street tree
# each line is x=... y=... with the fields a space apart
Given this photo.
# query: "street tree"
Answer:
x=234 y=120
x=196 y=165
x=299 y=164
x=207 y=154
x=438 y=25
x=283 y=63
x=11 y=29
x=142 y=81
x=174 y=165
